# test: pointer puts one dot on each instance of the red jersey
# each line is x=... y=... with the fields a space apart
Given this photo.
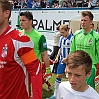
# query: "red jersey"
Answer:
x=16 y=56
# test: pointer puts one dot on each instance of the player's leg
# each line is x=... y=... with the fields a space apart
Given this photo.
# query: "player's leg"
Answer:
x=49 y=85
x=37 y=86
x=60 y=71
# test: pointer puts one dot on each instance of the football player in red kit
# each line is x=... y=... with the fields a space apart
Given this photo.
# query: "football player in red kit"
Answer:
x=17 y=59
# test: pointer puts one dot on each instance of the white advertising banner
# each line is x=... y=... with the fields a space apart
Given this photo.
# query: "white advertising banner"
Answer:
x=46 y=20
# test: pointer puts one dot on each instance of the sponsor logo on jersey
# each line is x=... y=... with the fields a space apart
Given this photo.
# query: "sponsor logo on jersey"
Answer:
x=4 y=51
x=21 y=34
x=90 y=41
x=45 y=45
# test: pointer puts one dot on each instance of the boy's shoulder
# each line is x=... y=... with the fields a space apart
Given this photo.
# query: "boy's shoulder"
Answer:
x=93 y=93
x=65 y=84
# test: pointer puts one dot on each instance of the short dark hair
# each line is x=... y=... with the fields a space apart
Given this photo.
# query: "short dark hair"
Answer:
x=79 y=58
x=87 y=13
x=27 y=14
x=6 y=5
x=57 y=28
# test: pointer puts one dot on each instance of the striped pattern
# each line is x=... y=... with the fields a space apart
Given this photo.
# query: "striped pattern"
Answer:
x=64 y=44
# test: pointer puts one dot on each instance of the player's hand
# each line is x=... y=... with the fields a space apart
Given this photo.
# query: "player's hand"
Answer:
x=55 y=61
x=64 y=60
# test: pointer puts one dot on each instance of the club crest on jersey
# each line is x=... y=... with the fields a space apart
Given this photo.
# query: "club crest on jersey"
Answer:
x=90 y=41
x=45 y=45
x=4 y=51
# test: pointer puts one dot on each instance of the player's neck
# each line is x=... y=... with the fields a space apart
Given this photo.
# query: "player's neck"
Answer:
x=87 y=30
x=66 y=35
x=29 y=29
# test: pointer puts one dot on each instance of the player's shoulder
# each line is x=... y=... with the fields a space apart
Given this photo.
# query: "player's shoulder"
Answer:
x=61 y=37
x=77 y=32
x=70 y=35
x=19 y=36
x=37 y=32
x=95 y=34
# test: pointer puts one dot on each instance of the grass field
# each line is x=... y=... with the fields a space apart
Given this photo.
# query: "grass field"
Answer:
x=52 y=80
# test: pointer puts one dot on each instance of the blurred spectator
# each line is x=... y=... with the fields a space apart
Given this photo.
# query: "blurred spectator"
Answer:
x=97 y=4
x=56 y=5
x=24 y=4
x=36 y=4
x=17 y=4
x=79 y=3
x=29 y=3
x=69 y=4
x=85 y=3
x=45 y=4
x=50 y=1
x=94 y=2
x=74 y=4
x=90 y=3
x=64 y=4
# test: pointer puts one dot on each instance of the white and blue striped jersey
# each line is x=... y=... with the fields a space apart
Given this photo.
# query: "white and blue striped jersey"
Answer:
x=64 y=45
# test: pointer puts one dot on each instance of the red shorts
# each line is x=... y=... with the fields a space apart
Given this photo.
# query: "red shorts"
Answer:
x=37 y=86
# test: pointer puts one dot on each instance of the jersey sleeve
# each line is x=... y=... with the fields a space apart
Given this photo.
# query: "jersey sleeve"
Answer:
x=96 y=36
x=97 y=50
x=72 y=46
x=60 y=41
x=24 y=48
x=42 y=44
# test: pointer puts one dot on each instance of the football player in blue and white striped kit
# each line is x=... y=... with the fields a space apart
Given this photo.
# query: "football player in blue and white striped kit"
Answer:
x=64 y=47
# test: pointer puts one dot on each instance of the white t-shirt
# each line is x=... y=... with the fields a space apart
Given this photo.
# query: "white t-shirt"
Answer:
x=66 y=92
x=57 y=36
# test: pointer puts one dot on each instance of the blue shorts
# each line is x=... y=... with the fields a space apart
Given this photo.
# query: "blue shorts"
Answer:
x=61 y=68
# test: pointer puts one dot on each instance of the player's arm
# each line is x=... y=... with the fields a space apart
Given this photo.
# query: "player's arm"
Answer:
x=31 y=62
x=97 y=48
x=43 y=50
x=57 y=56
x=59 y=51
x=45 y=58
x=24 y=47
x=72 y=46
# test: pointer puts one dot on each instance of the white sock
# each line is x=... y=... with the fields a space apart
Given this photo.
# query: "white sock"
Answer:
x=56 y=85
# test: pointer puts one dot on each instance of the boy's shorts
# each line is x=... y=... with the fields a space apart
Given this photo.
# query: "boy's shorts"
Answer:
x=61 y=68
